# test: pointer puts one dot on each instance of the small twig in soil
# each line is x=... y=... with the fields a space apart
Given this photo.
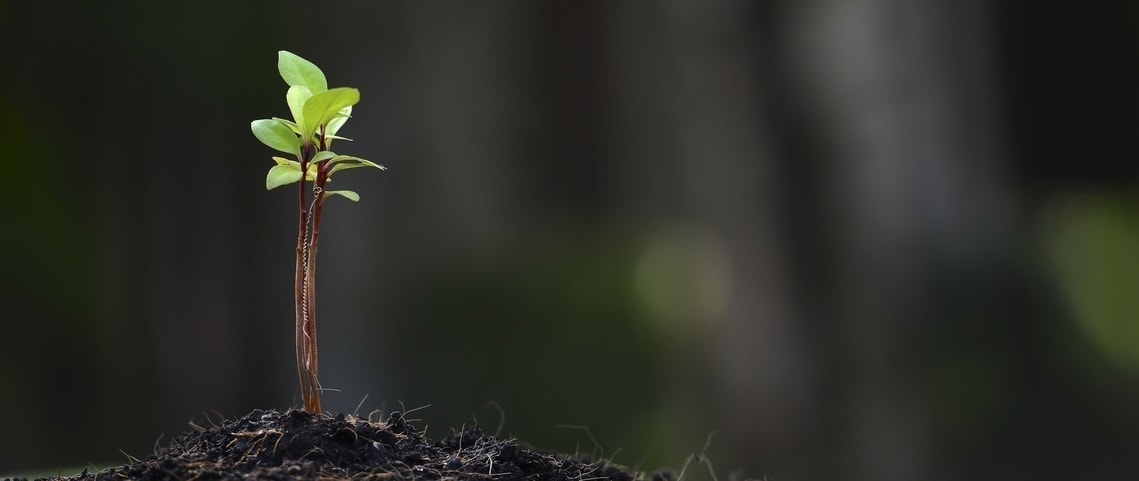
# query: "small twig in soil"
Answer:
x=156 y=446
x=356 y=412
x=501 y=417
x=598 y=451
x=702 y=458
x=129 y=457
x=409 y=411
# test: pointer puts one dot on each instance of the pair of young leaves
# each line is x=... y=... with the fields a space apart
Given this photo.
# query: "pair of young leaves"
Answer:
x=318 y=113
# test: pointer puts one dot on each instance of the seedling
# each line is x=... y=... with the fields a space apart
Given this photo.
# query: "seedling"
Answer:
x=318 y=114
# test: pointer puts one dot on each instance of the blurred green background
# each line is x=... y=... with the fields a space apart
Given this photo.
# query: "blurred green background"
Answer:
x=881 y=240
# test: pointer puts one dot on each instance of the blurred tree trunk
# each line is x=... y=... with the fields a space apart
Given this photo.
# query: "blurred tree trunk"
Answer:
x=699 y=151
x=895 y=104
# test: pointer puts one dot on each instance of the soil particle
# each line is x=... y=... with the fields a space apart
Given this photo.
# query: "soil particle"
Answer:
x=295 y=445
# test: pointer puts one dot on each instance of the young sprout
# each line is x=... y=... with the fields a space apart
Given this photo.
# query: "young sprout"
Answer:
x=318 y=114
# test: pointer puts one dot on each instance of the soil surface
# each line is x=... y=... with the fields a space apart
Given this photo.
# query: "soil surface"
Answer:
x=295 y=445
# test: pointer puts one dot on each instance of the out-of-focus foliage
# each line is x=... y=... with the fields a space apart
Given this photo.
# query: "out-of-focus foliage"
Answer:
x=1093 y=245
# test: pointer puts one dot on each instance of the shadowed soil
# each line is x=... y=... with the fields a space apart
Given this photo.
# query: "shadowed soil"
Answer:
x=295 y=445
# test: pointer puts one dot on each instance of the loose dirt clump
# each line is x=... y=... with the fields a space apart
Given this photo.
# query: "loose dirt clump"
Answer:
x=295 y=445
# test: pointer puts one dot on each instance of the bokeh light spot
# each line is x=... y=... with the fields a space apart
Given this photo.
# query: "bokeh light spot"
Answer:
x=1093 y=251
x=683 y=278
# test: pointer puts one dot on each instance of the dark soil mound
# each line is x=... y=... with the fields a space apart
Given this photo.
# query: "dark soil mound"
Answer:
x=294 y=445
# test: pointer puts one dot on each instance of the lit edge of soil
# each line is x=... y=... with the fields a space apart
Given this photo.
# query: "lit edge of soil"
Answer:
x=267 y=445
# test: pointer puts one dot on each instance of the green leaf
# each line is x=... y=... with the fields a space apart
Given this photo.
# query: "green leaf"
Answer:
x=335 y=124
x=296 y=97
x=322 y=155
x=347 y=194
x=313 y=169
x=324 y=106
x=298 y=71
x=276 y=135
x=345 y=162
x=282 y=175
x=354 y=159
x=290 y=124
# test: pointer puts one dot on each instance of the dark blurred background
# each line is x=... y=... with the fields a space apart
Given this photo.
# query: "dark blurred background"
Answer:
x=858 y=239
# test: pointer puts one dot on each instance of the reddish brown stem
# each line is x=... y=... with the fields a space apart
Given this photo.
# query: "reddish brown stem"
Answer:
x=311 y=359
x=305 y=301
